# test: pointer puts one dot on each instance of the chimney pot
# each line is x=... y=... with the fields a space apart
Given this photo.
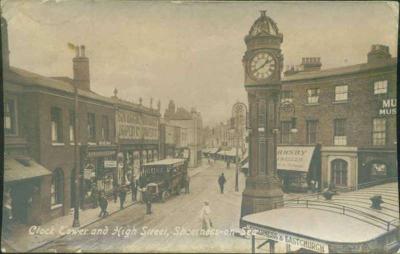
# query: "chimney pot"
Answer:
x=82 y=50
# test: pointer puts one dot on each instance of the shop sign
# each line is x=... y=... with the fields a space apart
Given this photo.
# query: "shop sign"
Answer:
x=297 y=158
x=389 y=107
x=134 y=125
x=110 y=164
x=93 y=154
x=293 y=240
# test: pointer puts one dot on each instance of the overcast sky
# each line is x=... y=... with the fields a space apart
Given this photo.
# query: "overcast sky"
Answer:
x=190 y=52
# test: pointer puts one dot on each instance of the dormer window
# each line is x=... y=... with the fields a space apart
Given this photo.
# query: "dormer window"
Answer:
x=380 y=87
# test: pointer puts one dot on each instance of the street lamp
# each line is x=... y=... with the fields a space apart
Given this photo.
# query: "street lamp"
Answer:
x=239 y=110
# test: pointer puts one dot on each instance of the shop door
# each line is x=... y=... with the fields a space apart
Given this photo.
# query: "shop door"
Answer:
x=20 y=195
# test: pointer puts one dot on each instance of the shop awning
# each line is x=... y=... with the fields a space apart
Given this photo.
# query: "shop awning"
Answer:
x=296 y=158
x=21 y=168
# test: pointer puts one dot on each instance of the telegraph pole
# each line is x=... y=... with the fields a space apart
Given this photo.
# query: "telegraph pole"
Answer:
x=76 y=162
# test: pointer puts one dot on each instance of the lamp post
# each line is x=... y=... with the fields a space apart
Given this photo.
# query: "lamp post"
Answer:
x=239 y=109
x=76 y=223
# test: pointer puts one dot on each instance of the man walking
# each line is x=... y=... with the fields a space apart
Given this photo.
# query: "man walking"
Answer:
x=133 y=190
x=103 y=203
x=122 y=196
x=221 y=182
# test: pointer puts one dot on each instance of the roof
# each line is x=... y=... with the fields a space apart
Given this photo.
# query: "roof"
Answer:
x=21 y=168
x=28 y=78
x=339 y=71
x=324 y=220
x=138 y=107
x=165 y=162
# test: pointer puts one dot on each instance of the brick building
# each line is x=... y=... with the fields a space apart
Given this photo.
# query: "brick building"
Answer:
x=39 y=116
x=345 y=120
x=137 y=133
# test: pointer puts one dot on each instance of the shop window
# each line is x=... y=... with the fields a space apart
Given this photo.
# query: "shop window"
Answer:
x=56 y=125
x=339 y=172
x=379 y=132
x=378 y=169
x=10 y=117
x=312 y=127
x=71 y=126
x=286 y=134
x=91 y=127
x=340 y=137
x=313 y=95
x=287 y=96
x=105 y=128
x=380 y=87
x=57 y=185
x=341 y=93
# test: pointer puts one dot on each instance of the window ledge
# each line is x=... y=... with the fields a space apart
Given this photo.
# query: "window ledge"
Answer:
x=92 y=143
x=72 y=143
x=340 y=102
x=53 y=207
x=311 y=104
x=57 y=144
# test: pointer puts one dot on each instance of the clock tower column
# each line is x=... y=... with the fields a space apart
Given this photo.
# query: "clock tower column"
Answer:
x=262 y=63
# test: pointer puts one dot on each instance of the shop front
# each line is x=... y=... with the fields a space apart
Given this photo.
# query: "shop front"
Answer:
x=376 y=165
x=299 y=168
x=99 y=172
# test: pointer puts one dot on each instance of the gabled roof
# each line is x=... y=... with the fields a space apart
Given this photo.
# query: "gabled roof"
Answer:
x=134 y=106
x=339 y=71
x=28 y=78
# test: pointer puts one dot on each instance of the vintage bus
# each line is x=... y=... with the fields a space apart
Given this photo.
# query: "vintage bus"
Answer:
x=164 y=177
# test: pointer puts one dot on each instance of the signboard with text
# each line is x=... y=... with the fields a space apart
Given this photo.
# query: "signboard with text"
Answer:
x=110 y=164
x=135 y=125
x=297 y=158
x=388 y=107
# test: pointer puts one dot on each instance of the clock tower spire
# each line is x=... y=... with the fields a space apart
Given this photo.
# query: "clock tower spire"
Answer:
x=262 y=62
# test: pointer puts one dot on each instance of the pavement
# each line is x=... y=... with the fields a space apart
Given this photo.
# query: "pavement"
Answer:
x=21 y=240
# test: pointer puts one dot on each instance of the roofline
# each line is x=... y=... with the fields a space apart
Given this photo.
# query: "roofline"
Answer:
x=321 y=72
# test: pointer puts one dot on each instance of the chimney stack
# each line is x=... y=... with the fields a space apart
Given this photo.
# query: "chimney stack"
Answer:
x=81 y=69
x=311 y=64
x=4 y=44
x=379 y=53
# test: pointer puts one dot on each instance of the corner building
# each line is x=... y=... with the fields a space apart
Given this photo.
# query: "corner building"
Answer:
x=349 y=113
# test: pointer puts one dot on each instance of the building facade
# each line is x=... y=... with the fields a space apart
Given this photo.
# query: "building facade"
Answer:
x=349 y=113
x=191 y=127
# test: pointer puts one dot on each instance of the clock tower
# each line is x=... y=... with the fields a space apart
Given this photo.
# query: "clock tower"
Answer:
x=262 y=63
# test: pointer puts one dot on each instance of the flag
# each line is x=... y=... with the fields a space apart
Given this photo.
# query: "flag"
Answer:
x=71 y=46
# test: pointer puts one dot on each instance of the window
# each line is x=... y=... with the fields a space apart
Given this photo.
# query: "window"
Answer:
x=339 y=172
x=57 y=186
x=71 y=126
x=312 y=127
x=378 y=169
x=56 y=125
x=341 y=93
x=312 y=95
x=286 y=96
x=379 y=132
x=286 y=134
x=340 y=132
x=91 y=127
x=105 y=128
x=10 y=119
x=380 y=87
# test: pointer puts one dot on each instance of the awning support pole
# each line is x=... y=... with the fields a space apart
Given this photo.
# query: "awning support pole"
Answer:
x=253 y=244
x=271 y=246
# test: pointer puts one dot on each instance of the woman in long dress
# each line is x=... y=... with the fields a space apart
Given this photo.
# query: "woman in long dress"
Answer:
x=205 y=213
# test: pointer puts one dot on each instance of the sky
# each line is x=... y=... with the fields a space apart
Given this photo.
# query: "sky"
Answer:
x=189 y=52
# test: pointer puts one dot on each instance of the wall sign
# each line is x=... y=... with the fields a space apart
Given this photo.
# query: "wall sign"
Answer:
x=389 y=107
x=110 y=164
x=297 y=158
x=293 y=240
x=134 y=125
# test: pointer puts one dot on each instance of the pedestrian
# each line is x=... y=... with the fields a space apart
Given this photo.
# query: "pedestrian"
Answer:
x=312 y=185
x=115 y=193
x=187 y=182
x=7 y=214
x=133 y=190
x=205 y=216
x=122 y=196
x=103 y=203
x=147 y=197
x=221 y=182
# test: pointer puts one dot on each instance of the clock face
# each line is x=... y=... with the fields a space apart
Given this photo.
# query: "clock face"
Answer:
x=261 y=66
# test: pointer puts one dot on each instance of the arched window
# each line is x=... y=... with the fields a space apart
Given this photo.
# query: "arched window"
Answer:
x=57 y=186
x=339 y=172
